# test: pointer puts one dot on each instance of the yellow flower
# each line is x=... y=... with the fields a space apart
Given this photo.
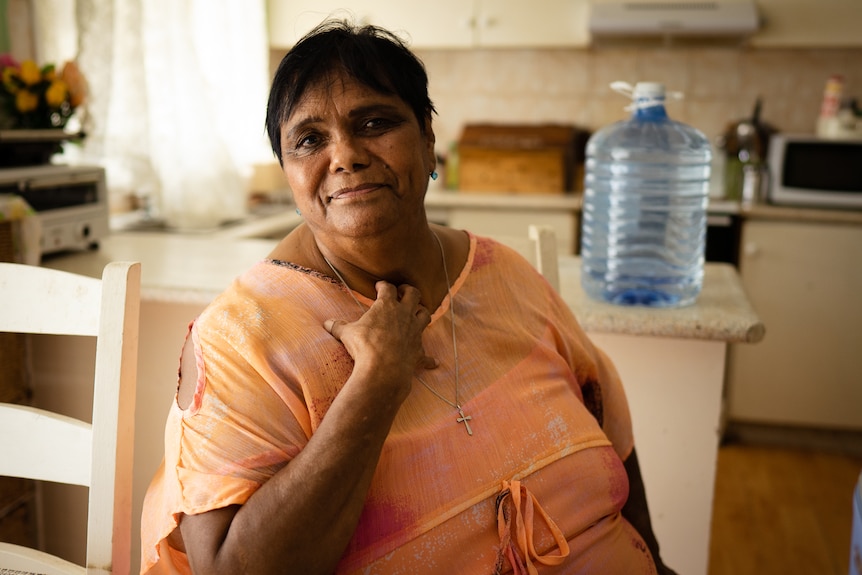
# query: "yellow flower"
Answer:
x=26 y=101
x=56 y=93
x=10 y=74
x=30 y=73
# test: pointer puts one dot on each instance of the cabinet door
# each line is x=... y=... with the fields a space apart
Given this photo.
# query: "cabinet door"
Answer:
x=449 y=24
x=446 y=24
x=489 y=222
x=809 y=23
x=288 y=20
x=804 y=281
x=536 y=24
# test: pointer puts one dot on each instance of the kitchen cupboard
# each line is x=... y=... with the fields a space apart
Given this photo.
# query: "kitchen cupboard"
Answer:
x=496 y=215
x=446 y=24
x=804 y=280
x=498 y=223
x=809 y=23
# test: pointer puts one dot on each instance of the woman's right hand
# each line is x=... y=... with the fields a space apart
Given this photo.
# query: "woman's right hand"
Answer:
x=386 y=342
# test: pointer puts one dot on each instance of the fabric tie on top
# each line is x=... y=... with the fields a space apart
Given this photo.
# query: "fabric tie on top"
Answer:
x=516 y=536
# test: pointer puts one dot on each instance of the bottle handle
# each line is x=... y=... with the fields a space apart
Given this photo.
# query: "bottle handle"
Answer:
x=623 y=88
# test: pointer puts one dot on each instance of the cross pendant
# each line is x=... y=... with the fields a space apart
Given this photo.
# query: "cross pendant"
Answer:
x=465 y=419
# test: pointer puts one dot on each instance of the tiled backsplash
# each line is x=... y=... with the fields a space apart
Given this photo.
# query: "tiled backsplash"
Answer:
x=572 y=86
x=720 y=85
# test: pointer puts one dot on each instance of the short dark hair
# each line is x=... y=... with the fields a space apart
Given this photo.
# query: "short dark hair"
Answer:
x=371 y=55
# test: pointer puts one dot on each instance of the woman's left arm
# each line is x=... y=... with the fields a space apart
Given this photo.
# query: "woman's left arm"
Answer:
x=636 y=511
x=615 y=419
x=604 y=395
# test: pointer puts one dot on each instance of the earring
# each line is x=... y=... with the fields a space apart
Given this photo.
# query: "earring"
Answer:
x=298 y=213
x=433 y=174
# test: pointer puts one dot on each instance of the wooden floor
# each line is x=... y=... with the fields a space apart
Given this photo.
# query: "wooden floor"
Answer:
x=783 y=510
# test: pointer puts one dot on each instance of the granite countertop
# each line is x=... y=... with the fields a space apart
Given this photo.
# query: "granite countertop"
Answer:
x=194 y=269
x=722 y=311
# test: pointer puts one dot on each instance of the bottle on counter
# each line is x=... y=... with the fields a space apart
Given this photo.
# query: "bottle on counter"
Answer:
x=827 y=121
x=746 y=145
x=646 y=190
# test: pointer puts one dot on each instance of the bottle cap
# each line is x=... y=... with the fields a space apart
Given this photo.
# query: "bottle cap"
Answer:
x=644 y=94
x=649 y=90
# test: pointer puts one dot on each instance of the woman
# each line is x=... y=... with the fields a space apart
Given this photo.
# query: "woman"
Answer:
x=379 y=395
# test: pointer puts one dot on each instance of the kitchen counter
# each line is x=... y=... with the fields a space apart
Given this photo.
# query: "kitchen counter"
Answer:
x=798 y=214
x=671 y=362
x=175 y=268
x=437 y=198
x=574 y=202
x=193 y=269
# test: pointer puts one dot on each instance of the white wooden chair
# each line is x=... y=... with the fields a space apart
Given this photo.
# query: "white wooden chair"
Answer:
x=540 y=249
x=42 y=445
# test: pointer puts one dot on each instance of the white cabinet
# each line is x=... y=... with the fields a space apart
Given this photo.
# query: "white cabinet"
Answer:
x=445 y=24
x=500 y=223
x=540 y=23
x=449 y=23
x=804 y=280
x=504 y=214
x=809 y=23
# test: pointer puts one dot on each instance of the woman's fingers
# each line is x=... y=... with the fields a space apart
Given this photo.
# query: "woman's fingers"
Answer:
x=387 y=290
x=429 y=362
x=395 y=322
x=334 y=327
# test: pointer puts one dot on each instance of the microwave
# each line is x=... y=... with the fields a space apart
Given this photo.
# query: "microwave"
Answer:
x=71 y=202
x=808 y=171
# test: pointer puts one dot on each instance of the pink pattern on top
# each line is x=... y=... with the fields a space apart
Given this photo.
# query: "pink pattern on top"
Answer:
x=549 y=416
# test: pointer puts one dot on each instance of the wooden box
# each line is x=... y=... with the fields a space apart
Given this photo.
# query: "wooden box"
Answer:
x=522 y=159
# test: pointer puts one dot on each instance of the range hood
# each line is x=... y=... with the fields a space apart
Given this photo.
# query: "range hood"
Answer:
x=691 y=18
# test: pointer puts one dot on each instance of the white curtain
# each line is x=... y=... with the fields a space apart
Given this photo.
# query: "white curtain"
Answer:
x=177 y=100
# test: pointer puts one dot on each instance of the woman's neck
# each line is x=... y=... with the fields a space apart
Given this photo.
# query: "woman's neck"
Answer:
x=417 y=261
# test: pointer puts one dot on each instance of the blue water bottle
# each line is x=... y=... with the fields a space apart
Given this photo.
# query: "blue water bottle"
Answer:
x=643 y=227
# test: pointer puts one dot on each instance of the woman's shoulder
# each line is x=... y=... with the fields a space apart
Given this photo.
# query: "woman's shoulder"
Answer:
x=268 y=287
x=507 y=254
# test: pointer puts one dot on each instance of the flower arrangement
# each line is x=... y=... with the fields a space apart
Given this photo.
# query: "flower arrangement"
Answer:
x=38 y=98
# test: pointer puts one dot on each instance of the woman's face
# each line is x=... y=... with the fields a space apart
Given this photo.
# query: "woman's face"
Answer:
x=356 y=159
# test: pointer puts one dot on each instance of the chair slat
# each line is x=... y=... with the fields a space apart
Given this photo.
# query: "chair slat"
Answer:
x=16 y=560
x=65 y=303
x=44 y=445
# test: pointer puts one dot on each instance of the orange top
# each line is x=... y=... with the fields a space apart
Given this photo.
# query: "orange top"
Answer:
x=537 y=488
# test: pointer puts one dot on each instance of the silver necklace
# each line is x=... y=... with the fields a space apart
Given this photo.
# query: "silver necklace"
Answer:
x=462 y=418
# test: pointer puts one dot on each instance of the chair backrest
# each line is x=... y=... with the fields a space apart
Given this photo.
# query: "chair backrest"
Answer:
x=38 y=444
x=540 y=249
